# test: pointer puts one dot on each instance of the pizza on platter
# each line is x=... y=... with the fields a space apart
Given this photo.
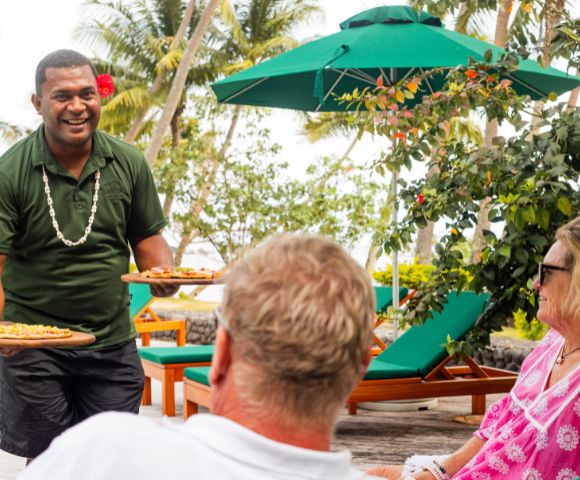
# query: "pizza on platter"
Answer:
x=181 y=272
x=23 y=331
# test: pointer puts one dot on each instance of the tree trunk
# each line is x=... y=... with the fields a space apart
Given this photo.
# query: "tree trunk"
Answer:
x=424 y=245
x=178 y=83
x=175 y=137
x=372 y=258
x=483 y=223
x=552 y=14
x=186 y=238
x=350 y=148
x=197 y=206
x=158 y=83
x=573 y=100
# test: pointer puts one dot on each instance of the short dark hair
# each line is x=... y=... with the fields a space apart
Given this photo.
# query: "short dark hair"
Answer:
x=60 y=59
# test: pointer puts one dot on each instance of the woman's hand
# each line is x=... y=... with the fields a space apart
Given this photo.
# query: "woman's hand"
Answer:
x=392 y=472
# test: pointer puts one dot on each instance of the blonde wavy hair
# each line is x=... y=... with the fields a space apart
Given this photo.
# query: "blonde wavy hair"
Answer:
x=300 y=313
x=569 y=235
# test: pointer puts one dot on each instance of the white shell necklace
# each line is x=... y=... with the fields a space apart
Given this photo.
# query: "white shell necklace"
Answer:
x=59 y=234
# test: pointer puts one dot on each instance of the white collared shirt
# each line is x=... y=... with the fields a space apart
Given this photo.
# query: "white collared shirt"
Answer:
x=125 y=446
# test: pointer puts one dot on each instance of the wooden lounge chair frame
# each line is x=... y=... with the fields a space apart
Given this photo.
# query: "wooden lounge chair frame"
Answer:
x=443 y=381
x=439 y=381
x=167 y=374
x=194 y=394
x=147 y=321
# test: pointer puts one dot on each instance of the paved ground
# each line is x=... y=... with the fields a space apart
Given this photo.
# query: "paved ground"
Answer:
x=373 y=437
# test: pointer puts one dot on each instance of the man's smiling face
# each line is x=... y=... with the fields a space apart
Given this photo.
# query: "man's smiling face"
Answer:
x=70 y=107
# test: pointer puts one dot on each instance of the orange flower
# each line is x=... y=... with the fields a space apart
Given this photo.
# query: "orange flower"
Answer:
x=380 y=81
x=488 y=177
x=454 y=231
x=471 y=74
x=400 y=136
x=412 y=87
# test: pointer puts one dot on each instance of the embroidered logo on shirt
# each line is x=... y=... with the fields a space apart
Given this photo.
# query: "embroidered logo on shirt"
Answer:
x=113 y=190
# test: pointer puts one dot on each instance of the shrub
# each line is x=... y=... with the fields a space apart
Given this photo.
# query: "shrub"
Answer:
x=415 y=275
x=530 y=330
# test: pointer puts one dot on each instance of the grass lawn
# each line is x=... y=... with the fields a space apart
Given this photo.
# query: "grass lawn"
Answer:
x=187 y=304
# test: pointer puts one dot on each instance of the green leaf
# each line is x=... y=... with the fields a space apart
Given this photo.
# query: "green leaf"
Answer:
x=543 y=218
x=522 y=255
x=505 y=251
x=488 y=55
x=564 y=206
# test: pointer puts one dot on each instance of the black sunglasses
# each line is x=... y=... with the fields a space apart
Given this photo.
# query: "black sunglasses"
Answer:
x=542 y=267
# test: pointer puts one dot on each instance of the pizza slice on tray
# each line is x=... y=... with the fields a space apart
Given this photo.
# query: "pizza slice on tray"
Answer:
x=181 y=272
x=23 y=331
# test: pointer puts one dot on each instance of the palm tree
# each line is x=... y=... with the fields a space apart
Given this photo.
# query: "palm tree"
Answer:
x=11 y=133
x=143 y=42
x=255 y=30
x=179 y=81
x=483 y=223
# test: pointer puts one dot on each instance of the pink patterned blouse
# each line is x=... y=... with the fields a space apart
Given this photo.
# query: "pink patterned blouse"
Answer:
x=534 y=432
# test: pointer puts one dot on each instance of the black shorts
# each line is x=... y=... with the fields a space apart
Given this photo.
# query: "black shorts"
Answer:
x=45 y=391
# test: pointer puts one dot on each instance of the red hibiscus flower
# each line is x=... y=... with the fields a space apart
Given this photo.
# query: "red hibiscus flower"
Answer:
x=105 y=85
x=420 y=199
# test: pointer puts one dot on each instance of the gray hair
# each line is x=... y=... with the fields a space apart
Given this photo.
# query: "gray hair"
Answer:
x=300 y=313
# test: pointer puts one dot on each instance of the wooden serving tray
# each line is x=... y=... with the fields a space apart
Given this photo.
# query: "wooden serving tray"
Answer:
x=137 y=278
x=78 y=339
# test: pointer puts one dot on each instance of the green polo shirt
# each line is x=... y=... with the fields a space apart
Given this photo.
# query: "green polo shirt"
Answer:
x=78 y=287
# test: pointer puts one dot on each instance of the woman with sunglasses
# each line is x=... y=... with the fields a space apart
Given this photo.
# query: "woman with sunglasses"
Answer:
x=534 y=432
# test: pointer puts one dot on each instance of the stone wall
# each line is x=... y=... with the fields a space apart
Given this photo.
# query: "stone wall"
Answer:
x=201 y=326
x=506 y=352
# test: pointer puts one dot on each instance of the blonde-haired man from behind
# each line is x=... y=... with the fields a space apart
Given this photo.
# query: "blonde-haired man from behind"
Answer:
x=294 y=339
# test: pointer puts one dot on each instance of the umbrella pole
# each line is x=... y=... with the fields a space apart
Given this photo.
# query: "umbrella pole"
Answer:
x=396 y=300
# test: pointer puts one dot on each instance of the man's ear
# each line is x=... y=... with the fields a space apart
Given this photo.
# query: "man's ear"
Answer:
x=222 y=358
x=37 y=102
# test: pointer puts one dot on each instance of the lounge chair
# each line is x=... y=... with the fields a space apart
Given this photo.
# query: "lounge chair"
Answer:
x=146 y=320
x=414 y=366
x=166 y=364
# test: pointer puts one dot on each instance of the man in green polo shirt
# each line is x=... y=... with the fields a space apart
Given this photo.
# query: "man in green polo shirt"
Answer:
x=73 y=201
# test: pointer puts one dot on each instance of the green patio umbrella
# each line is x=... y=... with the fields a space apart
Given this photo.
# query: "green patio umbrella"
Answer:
x=396 y=42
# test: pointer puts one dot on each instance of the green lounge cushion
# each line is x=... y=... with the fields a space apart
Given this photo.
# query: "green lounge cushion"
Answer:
x=384 y=297
x=197 y=374
x=383 y=370
x=189 y=354
x=422 y=348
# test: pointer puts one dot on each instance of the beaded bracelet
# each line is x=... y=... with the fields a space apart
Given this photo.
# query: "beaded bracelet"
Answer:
x=436 y=470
